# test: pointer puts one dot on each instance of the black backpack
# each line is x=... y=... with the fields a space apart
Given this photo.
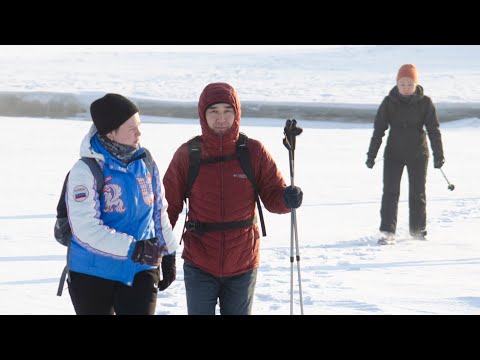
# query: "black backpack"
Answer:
x=62 y=230
x=243 y=155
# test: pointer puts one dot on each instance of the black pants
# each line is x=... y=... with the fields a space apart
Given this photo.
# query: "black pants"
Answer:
x=417 y=177
x=92 y=295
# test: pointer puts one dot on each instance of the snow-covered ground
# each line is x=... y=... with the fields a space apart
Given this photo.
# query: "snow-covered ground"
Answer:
x=343 y=269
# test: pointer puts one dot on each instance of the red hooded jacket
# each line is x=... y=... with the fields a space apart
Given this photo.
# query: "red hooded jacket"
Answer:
x=222 y=193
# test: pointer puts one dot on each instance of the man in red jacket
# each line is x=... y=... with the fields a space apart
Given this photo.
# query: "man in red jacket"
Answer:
x=222 y=264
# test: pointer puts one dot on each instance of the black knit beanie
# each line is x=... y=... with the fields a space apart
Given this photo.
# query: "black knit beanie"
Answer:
x=111 y=111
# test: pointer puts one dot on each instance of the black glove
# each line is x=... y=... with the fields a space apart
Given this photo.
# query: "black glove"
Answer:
x=293 y=196
x=148 y=252
x=438 y=163
x=169 y=271
x=370 y=162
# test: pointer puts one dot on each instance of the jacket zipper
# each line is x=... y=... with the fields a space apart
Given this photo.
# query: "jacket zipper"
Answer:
x=222 y=208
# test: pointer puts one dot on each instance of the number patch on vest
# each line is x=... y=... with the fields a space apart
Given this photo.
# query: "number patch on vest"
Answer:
x=147 y=189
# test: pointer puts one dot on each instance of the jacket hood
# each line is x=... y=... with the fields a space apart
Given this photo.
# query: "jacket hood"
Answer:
x=215 y=93
x=395 y=95
x=86 y=149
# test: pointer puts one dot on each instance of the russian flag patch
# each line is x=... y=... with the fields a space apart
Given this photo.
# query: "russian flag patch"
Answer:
x=80 y=193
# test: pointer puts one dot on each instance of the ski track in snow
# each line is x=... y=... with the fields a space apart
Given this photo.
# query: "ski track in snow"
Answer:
x=319 y=261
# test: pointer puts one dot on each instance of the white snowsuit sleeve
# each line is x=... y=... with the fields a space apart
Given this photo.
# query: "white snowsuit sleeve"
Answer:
x=162 y=222
x=83 y=207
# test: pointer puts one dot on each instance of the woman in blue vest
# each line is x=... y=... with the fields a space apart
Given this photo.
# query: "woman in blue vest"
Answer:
x=120 y=236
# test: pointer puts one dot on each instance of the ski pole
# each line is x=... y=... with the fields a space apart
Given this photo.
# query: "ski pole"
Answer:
x=291 y=131
x=451 y=187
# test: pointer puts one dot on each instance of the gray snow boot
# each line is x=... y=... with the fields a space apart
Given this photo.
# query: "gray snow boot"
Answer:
x=387 y=238
x=419 y=235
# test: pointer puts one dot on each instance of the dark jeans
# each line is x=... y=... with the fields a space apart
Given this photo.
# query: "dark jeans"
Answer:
x=235 y=293
x=92 y=295
x=417 y=177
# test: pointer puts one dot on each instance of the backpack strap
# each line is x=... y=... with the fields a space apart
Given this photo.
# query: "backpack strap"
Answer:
x=193 y=164
x=148 y=159
x=246 y=162
x=194 y=153
x=98 y=175
x=201 y=228
x=96 y=171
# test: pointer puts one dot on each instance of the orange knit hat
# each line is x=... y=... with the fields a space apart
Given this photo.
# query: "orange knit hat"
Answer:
x=408 y=71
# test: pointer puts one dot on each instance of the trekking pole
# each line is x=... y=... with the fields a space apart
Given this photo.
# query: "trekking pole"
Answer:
x=291 y=131
x=451 y=187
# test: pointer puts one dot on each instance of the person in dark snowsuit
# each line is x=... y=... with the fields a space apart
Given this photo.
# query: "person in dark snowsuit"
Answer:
x=407 y=112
